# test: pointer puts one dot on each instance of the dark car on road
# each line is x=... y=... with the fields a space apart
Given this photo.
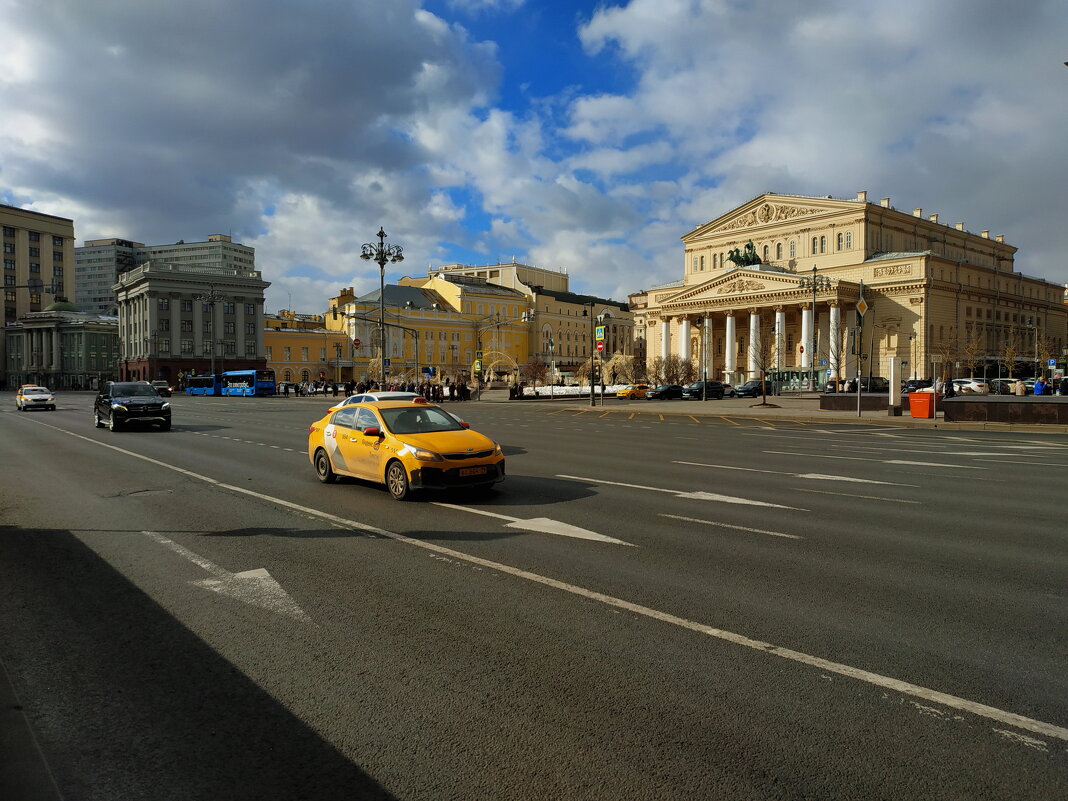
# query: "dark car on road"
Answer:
x=705 y=389
x=752 y=389
x=665 y=392
x=163 y=388
x=121 y=403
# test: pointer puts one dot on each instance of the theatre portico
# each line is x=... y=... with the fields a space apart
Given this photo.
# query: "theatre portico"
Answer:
x=776 y=285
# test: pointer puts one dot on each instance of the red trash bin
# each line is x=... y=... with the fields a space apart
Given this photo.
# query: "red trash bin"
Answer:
x=921 y=404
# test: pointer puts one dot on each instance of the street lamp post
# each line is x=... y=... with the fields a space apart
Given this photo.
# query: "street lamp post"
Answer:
x=382 y=253
x=814 y=283
x=211 y=299
x=593 y=345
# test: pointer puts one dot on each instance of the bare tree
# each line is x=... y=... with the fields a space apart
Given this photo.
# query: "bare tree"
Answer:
x=656 y=371
x=971 y=349
x=763 y=357
x=536 y=370
x=620 y=369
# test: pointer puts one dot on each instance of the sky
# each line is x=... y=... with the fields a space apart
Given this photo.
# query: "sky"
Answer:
x=579 y=136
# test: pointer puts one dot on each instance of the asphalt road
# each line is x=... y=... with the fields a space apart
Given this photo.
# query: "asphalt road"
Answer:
x=646 y=609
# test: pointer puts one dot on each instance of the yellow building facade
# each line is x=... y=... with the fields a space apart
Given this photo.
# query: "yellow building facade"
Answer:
x=300 y=348
x=776 y=285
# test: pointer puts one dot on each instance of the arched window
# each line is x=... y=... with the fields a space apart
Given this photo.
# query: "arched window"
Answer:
x=793 y=249
x=693 y=264
x=305 y=375
x=841 y=240
x=849 y=240
x=702 y=263
x=778 y=252
x=765 y=256
x=823 y=244
x=815 y=244
x=715 y=260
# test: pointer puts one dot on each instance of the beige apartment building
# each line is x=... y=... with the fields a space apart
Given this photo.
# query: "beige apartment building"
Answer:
x=777 y=285
x=38 y=260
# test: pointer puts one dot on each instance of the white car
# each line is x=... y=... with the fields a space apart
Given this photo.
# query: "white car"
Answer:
x=31 y=396
x=968 y=386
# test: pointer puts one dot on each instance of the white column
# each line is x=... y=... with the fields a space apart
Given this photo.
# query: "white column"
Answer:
x=754 y=345
x=707 y=347
x=806 y=337
x=780 y=339
x=730 y=349
x=834 y=352
x=665 y=339
x=684 y=336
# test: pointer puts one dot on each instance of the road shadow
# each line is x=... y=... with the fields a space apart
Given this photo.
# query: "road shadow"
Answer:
x=127 y=702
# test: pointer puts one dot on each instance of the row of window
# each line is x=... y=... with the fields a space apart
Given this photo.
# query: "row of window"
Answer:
x=34 y=236
x=164 y=324
x=844 y=241
x=229 y=347
x=228 y=307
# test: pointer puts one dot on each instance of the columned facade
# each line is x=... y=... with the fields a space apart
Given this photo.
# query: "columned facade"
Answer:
x=937 y=299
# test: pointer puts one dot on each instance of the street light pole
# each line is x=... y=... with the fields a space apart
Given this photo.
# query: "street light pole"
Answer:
x=382 y=253
x=815 y=282
x=211 y=299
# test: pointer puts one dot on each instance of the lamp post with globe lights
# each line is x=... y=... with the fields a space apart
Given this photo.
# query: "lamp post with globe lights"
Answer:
x=382 y=253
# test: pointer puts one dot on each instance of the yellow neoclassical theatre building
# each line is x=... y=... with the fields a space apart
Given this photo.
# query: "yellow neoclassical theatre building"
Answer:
x=775 y=285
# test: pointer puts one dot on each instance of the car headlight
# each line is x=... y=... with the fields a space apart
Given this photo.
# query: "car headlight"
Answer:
x=165 y=406
x=117 y=406
x=423 y=455
x=497 y=450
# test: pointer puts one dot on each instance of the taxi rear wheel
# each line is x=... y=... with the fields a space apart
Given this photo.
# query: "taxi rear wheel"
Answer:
x=397 y=481
x=324 y=471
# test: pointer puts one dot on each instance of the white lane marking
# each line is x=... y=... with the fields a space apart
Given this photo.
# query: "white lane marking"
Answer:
x=255 y=587
x=1030 y=462
x=852 y=495
x=699 y=496
x=542 y=525
x=731 y=525
x=815 y=476
x=880 y=461
x=875 y=679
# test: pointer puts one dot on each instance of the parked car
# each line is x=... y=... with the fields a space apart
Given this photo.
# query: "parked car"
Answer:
x=728 y=389
x=1002 y=386
x=665 y=392
x=915 y=385
x=32 y=396
x=967 y=386
x=123 y=402
x=633 y=391
x=752 y=389
x=164 y=388
x=406 y=445
x=705 y=389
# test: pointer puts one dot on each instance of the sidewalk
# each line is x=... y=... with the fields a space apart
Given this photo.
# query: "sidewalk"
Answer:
x=805 y=408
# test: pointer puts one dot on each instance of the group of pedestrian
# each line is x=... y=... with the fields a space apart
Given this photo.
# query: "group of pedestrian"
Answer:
x=433 y=391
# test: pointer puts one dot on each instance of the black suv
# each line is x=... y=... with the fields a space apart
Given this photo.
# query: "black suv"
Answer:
x=712 y=390
x=122 y=402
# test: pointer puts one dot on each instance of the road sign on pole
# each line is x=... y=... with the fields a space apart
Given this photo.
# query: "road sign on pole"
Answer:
x=600 y=345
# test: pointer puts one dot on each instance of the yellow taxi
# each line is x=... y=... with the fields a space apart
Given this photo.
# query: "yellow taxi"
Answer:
x=633 y=391
x=407 y=445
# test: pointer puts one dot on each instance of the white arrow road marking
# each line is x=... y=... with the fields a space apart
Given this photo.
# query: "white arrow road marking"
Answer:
x=698 y=496
x=254 y=587
x=731 y=525
x=543 y=525
x=880 y=461
x=817 y=476
x=818 y=663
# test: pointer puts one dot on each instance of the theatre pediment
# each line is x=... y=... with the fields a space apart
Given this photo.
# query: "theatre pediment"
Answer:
x=734 y=284
x=769 y=210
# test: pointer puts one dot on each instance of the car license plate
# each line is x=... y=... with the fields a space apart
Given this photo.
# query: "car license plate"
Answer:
x=472 y=471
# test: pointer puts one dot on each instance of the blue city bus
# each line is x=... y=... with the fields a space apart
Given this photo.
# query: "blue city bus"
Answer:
x=248 y=382
x=201 y=385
